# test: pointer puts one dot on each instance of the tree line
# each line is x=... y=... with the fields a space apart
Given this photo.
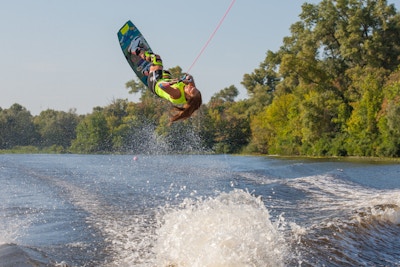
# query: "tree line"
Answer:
x=332 y=89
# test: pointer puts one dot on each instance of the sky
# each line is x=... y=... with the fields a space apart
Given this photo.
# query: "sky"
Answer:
x=64 y=55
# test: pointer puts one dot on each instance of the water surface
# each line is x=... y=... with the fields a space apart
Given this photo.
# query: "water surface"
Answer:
x=197 y=210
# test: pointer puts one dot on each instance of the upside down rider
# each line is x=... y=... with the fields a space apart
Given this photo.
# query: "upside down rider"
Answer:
x=178 y=92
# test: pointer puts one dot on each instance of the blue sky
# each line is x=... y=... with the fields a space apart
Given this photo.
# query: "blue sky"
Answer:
x=65 y=54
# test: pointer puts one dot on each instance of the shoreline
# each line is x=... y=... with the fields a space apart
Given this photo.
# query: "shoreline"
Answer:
x=30 y=151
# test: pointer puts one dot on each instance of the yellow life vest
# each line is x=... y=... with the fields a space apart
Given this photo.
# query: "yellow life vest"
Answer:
x=161 y=93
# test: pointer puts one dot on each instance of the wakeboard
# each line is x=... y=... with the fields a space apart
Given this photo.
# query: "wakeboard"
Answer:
x=126 y=35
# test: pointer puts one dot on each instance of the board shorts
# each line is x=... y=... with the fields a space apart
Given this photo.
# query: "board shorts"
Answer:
x=153 y=78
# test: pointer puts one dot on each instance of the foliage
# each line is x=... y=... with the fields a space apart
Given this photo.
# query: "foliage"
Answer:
x=92 y=134
x=17 y=128
x=56 y=128
x=333 y=69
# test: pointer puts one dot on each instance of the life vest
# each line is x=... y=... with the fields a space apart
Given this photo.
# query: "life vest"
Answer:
x=161 y=93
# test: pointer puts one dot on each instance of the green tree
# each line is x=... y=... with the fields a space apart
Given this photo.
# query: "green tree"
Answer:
x=226 y=95
x=362 y=126
x=389 y=118
x=277 y=130
x=333 y=67
x=56 y=127
x=16 y=127
x=265 y=76
x=227 y=122
x=355 y=32
x=115 y=114
x=261 y=83
x=92 y=134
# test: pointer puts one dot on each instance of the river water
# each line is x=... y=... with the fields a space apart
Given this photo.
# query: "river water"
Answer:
x=197 y=210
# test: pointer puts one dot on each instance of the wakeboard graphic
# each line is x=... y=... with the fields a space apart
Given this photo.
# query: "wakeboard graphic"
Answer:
x=130 y=34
